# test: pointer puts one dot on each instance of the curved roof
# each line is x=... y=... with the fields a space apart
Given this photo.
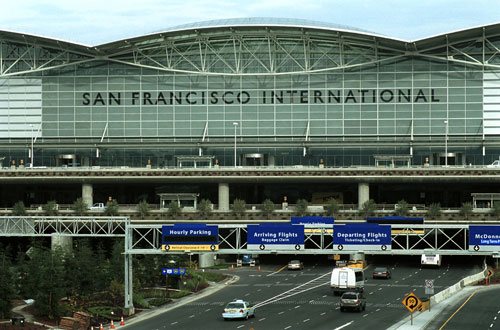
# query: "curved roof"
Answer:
x=262 y=21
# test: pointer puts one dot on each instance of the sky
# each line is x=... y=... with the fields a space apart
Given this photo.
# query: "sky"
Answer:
x=94 y=22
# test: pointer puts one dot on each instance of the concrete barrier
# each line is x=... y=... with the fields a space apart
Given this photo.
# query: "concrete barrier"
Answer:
x=472 y=279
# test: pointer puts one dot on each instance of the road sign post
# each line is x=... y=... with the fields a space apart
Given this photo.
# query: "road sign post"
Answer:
x=411 y=302
x=429 y=289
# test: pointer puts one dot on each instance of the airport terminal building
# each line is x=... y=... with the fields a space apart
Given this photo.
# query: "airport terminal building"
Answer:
x=255 y=91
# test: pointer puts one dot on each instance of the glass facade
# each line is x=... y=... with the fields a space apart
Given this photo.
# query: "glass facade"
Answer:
x=303 y=111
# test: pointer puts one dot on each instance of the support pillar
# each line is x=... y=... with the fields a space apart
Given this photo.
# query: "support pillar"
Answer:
x=88 y=193
x=224 y=197
x=206 y=260
x=64 y=243
x=363 y=193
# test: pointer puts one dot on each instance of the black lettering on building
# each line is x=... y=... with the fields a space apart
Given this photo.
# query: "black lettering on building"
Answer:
x=433 y=97
x=406 y=96
x=224 y=97
x=278 y=96
x=420 y=95
x=387 y=99
x=86 y=98
x=350 y=96
x=188 y=98
x=214 y=99
x=135 y=97
x=331 y=96
x=116 y=99
x=246 y=99
x=318 y=97
x=98 y=99
x=304 y=97
x=363 y=92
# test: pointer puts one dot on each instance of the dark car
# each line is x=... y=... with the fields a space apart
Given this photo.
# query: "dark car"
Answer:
x=353 y=300
x=382 y=272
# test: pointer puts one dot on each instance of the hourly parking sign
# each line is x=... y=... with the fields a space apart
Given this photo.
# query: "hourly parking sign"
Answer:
x=484 y=238
x=277 y=236
x=362 y=236
x=190 y=237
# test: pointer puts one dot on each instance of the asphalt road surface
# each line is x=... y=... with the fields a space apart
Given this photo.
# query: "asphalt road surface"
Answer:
x=303 y=299
x=480 y=310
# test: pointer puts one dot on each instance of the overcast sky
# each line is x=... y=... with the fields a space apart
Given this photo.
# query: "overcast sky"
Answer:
x=95 y=22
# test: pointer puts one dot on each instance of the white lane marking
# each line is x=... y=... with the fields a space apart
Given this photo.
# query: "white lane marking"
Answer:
x=365 y=315
x=416 y=272
x=191 y=316
x=371 y=293
x=379 y=289
x=288 y=327
x=322 y=313
x=306 y=320
x=262 y=319
x=208 y=310
x=297 y=306
x=378 y=309
x=324 y=296
x=174 y=323
x=241 y=326
x=259 y=290
x=247 y=294
x=280 y=313
x=343 y=326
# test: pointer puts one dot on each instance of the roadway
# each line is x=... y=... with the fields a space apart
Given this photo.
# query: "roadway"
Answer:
x=478 y=309
x=302 y=299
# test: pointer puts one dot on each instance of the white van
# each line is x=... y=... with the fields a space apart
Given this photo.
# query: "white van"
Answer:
x=347 y=279
x=430 y=259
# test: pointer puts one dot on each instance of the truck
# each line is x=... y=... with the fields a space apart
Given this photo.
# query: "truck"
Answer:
x=247 y=259
x=97 y=207
x=347 y=279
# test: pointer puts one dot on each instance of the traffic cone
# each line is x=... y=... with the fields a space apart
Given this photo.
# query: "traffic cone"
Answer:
x=100 y=326
x=195 y=266
x=259 y=268
x=91 y=328
x=112 y=326
x=122 y=322
x=232 y=267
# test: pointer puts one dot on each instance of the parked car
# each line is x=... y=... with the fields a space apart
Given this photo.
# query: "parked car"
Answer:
x=352 y=300
x=495 y=164
x=382 y=272
x=97 y=207
x=295 y=264
x=238 y=309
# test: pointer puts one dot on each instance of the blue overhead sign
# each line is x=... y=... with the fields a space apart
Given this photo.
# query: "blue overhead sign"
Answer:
x=275 y=236
x=484 y=238
x=362 y=236
x=314 y=224
x=182 y=237
x=173 y=271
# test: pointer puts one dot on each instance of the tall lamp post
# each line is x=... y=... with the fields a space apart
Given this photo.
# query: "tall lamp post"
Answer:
x=32 y=155
x=446 y=144
x=235 y=124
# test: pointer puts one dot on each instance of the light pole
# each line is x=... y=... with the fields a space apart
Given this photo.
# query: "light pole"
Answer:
x=446 y=144
x=32 y=155
x=235 y=124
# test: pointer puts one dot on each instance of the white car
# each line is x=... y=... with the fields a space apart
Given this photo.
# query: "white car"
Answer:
x=238 y=309
x=495 y=164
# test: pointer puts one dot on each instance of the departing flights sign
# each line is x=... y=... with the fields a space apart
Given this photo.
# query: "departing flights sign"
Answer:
x=484 y=238
x=362 y=236
x=190 y=237
x=275 y=236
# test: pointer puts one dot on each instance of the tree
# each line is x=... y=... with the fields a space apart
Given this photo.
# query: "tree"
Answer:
x=51 y=208
x=205 y=207
x=80 y=206
x=19 y=209
x=173 y=209
x=434 y=210
x=368 y=208
x=401 y=208
x=332 y=208
x=112 y=208
x=267 y=208
x=6 y=286
x=143 y=209
x=239 y=207
x=466 y=210
x=301 y=207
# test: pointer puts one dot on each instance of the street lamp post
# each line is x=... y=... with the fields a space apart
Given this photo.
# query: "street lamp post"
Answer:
x=32 y=155
x=446 y=144
x=235 y=124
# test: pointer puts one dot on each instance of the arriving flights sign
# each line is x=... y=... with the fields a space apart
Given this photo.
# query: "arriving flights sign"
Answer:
x=362 y=236
x=275 y=236
x=190 y=237
x=484 y=238
x=314 y=224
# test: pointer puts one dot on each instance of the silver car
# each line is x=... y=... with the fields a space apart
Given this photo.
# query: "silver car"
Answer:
x=353 y=300
x=295 y=265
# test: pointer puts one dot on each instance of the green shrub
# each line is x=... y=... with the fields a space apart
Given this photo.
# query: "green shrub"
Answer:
x=239 y=207
x=179 y=294
x=267 y=208
x=495 y=210
x=301 y=207
x=159 y=301
x=112 y=208
x=204 y=207
x=143 y=209
x=402 y=208
x=466 y=210
x=434 y=210
x=50 y=208
x=332 y=208
x=19 y=209
x=80 y=207
x=368 y=208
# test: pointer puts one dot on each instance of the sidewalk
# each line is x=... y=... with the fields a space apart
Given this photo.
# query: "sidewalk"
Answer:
x=422 y=319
